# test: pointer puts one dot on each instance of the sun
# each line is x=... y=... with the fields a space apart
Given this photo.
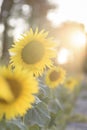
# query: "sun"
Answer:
x=78 y=39
x=33 y=51
x=68 y=10
x=17 y=91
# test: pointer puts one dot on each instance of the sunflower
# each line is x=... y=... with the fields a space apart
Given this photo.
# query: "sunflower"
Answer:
x=54 y=77
x=17 y=91
x=70 y=83
x=33 y=51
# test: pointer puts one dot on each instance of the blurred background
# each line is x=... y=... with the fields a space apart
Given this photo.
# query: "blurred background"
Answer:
x=66 y=21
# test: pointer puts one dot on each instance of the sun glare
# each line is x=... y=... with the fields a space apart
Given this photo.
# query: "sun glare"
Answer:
x=73 y=10
x=63 y=56
x=78 y=39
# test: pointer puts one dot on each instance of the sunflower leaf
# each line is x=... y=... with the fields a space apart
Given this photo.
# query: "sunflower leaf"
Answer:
x=12 y=125
x=35 y=127
x=37 y=100
x=38 y=115
x=54 y=106
x=43 y=92
x=18 y=123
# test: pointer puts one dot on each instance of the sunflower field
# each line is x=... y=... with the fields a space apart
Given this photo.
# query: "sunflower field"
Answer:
x=43 y=65
x=36 y=93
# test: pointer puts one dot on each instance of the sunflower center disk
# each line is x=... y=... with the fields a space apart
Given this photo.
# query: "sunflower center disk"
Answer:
x=3 y=101
x=54 y=75
x=33 y=52
x=69 y=82
x=15 y=87
x=12 y=92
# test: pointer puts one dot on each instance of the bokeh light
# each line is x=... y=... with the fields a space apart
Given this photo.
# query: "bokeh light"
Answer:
x=73 y=10
x=78 y=39
x=63 y=56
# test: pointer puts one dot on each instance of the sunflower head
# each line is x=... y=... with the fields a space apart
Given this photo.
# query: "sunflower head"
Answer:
x=70 y=83
x=16 y=91
x=33 y=52
x=54 y=77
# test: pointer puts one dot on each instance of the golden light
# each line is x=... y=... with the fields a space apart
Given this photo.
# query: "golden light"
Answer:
x=78 y=39
x=63 y=56
x=68 y=10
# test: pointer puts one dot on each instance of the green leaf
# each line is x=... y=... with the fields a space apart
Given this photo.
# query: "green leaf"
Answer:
x=12 y=125
x=44 y=90
x=54 y=105
x=37 y=100
x=35 y=127
x=18 y=123
x=3 y=125
x=38 y=115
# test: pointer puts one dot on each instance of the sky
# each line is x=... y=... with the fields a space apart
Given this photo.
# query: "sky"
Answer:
x=68 y=10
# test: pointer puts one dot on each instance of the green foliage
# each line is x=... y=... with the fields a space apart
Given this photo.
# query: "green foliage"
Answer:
x=38 y=115
x=12 y=125
x=52 y=107
x=51 y=111
x=34 y=127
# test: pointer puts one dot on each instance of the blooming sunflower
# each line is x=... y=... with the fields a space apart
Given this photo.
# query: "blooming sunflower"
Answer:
x=16 y=92
x=71 y=83
x=33 y=51
x=55 y=76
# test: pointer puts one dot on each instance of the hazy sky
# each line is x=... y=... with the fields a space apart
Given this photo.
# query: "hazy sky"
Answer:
x=75 y=10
